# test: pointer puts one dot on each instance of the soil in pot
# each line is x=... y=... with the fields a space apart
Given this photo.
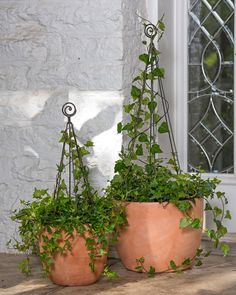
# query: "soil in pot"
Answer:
x=153 y=233
x=72 y=267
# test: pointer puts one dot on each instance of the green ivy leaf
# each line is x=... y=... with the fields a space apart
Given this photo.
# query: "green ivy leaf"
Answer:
x=110 y=274
x=128 y=126
x=185 y=222
x=211 y=233
x=183 y=206
x=136 y=120
x=143 y=137
x=156 y=118
x=119 y=127
x=119 y=165
x=140 y=260
x=222 y=230
x=187 y=261
x=161 y=25
x=60 y=168
x=151 y=271
x=152 y=105
x=208 y=207
x=220 y=194
x=135 y=92
x=228 y=215
x=172 y=162
x=139 y=150
x=146 y=100
x=159 y=72
x=63 y=185
x=89 y=143
x=138 y=268
x=147 y=116
x=38 y=193
x=173 y=265
x=136 y=79
x=83 y=151
x=155 y=149
x=225 y=249
x=206 y=254
x=198 y=262
x=144 y=57
x=150 y=76
x=199 y=252
x=128 y=107
x=163 y=128
x=196 y=223
x=217 y=211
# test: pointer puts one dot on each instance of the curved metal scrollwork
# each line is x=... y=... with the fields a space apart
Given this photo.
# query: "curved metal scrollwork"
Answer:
x=150 y=30
x=69 y=109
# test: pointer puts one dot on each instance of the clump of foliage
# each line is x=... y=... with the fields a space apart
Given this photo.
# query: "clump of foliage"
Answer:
x=140 y=175
x=47 y=216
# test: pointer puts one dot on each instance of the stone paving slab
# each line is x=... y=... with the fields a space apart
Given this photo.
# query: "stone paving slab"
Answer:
x=216 y=276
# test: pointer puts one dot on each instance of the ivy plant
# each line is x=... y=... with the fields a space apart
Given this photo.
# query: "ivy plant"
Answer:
x=141 y=175
x=61 y=212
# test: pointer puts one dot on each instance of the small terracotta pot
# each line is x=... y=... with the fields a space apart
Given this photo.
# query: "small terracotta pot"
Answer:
x=72 y=268
x=153 y=233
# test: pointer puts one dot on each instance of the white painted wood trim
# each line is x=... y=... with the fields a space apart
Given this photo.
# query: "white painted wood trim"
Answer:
x=152 y=10
x=181 y=79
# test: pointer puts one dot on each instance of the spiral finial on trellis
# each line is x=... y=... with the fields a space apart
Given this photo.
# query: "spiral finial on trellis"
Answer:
x=150 y=30
x=69 y=109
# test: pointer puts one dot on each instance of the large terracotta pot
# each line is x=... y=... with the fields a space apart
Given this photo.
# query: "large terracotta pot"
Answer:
x=153 y=233
x=72 y=268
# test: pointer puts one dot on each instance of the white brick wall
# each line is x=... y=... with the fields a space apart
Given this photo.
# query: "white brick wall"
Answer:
x=51 y=52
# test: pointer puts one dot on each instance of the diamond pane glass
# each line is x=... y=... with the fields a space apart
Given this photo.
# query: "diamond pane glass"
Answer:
x=211 y=86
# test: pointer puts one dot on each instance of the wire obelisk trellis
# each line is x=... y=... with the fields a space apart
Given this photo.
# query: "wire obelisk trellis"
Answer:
x=71 y=157
x=151 y=31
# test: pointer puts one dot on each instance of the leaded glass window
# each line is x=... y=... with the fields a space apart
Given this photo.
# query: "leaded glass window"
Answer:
x=211 y=86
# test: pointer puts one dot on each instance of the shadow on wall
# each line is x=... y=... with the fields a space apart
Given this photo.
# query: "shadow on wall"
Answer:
x=96 y=119
x=99 y=128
